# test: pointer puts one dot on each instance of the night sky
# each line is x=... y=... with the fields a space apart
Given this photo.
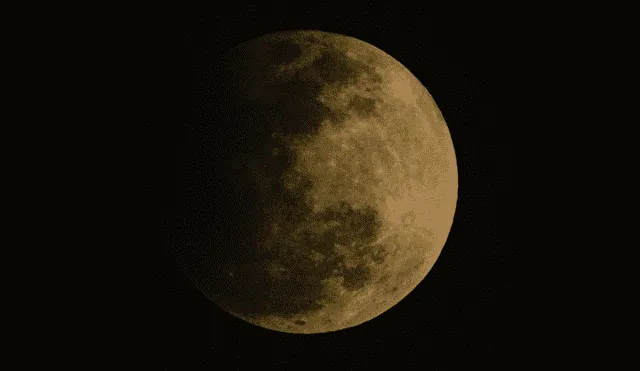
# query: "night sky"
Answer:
x=460 y=316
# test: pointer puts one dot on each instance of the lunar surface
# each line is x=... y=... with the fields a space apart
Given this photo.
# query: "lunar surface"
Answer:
x=322 y=185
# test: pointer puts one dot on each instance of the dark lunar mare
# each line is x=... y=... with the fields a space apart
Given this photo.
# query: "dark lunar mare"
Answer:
x=232 y=184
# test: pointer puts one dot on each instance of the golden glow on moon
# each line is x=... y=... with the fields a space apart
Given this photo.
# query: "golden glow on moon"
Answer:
x=393 y=153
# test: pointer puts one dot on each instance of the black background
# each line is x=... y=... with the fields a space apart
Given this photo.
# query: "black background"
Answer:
x=461 y=315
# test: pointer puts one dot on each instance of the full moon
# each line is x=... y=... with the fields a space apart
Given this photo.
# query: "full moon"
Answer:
x=321 y=186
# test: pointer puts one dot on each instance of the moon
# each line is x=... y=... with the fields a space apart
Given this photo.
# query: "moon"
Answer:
x=322 y=186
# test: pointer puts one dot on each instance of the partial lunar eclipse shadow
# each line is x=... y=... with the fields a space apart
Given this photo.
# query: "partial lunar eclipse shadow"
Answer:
x=323 y=185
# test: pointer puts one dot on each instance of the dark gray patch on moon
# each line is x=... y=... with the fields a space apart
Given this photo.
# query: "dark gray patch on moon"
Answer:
x=335 y=66
x=355 y=278
x=362 y=106
x=282 y=52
